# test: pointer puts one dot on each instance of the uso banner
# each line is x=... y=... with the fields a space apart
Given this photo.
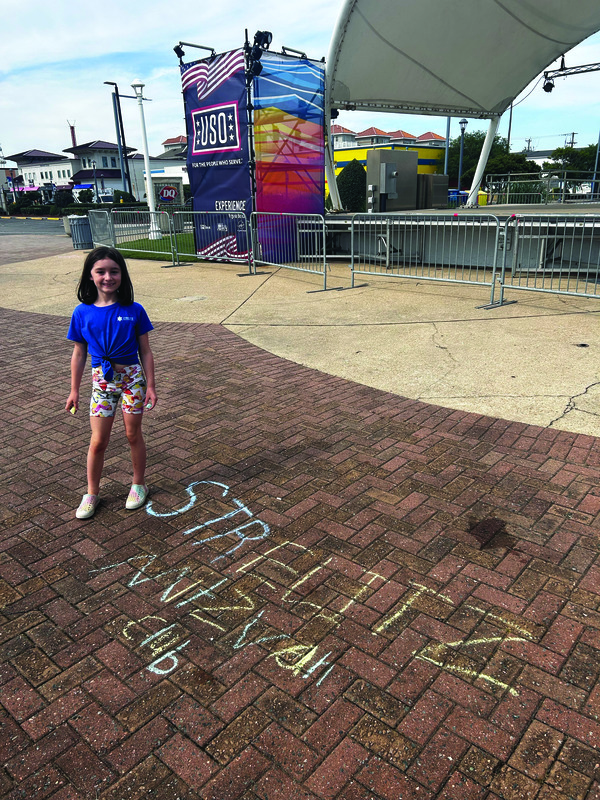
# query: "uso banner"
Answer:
x=289 y=137
x=216 y=112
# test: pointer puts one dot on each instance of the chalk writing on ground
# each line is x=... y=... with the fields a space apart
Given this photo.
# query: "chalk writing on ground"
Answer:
x=193 y=590
x=240 y=508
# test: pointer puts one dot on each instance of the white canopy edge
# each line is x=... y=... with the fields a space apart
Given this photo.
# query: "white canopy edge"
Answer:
x=467 y=58
x=448 y=57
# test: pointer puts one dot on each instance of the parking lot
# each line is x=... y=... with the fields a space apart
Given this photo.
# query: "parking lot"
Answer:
x=27 y=239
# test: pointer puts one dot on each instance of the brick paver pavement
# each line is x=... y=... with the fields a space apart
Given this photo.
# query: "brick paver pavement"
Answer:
x=336 y=593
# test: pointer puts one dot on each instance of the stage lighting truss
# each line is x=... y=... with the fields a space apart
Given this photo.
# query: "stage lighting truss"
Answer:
x=262 y=41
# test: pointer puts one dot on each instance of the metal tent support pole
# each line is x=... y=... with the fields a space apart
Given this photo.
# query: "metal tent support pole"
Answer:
x=481 y=164
x=329 y=168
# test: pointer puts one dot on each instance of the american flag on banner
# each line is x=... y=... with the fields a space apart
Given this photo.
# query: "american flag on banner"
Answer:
x=225 y=249
x=209 y=74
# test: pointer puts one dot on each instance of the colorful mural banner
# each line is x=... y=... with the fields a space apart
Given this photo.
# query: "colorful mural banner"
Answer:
x=216 y=114
x=289 y=140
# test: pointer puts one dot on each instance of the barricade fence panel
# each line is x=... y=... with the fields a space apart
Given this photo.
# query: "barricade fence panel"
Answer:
x=545 y=253
x=550 y=253
x=141 y=231
x=292 y=241
x=545 y=187
x=101 y=228
x=213 y=236
x=432 y=247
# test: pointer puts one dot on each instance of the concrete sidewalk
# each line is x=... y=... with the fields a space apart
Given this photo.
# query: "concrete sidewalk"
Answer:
x=534 y=362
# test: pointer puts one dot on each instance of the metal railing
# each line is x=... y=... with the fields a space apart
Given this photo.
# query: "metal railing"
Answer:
x=213 y=236
x=457 y=199
x=516 y=198
x=148 y=232
x=102 y=228
x=426 y=246
x=557 y=254
x=549 y=187
x=292 y=241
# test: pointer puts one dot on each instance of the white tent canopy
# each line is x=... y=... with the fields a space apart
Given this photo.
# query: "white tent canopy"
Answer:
x=448 y=57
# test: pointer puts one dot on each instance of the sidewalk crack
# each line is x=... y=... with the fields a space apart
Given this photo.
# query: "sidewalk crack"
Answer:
x=436 y=332
x=571 y=406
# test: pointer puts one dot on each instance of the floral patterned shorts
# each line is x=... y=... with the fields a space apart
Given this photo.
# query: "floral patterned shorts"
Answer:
x=130 y=384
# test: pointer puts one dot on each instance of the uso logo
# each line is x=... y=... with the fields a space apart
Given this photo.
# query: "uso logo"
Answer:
x=216 y=129
x=168 y=193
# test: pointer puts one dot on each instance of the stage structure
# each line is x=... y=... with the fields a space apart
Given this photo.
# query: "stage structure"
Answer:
x=451 y=58
x=255 y=126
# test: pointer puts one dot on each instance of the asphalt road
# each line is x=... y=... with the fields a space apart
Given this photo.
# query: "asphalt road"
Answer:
x=28 y=239
x=9 y=226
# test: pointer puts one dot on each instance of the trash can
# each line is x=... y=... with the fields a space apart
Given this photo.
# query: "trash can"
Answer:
x=482 y=198
x=81 y=232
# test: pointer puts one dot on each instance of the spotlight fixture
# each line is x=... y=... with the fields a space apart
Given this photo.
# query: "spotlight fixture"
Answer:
x=179 y=51
x=334 y=113
x=263 y=39
x=548 y=85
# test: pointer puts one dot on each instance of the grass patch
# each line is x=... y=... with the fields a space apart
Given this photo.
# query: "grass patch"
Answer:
x=160 y=249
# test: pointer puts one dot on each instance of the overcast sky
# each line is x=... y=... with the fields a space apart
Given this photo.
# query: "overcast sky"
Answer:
x=56 y=56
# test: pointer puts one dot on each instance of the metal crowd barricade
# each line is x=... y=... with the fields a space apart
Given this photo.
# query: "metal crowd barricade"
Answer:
x=221 y=236
x=556 y=254
x=142 y=231
x=433 y=247
x=293 y=241
x=102 y=228
x=516 y=198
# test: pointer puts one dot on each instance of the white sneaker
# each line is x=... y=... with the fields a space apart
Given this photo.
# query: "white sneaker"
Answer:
x=138 y=494
x=87 y=507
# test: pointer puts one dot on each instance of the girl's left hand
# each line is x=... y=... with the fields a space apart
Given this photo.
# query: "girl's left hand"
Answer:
x=151 y=400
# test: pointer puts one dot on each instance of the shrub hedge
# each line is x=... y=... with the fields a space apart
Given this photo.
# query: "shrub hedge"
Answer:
x=47 y=210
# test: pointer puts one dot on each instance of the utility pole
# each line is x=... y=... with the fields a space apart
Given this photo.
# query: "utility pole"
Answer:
x=570 y=143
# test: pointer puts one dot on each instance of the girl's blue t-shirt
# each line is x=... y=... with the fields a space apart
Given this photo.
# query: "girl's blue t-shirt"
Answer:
x=110 y=332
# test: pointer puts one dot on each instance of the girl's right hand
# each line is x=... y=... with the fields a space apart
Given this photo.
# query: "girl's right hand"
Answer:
x=72 y=403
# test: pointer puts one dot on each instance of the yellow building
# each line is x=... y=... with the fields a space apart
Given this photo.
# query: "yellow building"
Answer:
x=431 y=159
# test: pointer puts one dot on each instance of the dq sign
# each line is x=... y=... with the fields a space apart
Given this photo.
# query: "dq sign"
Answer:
x=168 y=194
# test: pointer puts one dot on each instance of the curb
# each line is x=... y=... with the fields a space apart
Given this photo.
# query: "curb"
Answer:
x=57 y=219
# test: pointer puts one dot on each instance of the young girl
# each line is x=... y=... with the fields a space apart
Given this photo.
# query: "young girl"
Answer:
x=115 y=330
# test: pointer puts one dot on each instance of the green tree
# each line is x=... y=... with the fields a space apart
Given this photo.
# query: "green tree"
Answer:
x=352 y=186
x=86 y=196
x=500 y=161
x=583 y=159
x=28 y=198
x=22 y=199
x=125 y=197
x=64 y=197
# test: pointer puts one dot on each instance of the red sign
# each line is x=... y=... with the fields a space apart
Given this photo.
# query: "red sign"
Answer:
x=168 y=193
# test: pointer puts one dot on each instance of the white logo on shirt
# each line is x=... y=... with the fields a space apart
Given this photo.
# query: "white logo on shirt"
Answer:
x=126 y=319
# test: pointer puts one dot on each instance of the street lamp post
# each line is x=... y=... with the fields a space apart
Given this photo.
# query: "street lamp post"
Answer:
x=126 y=177
x=155 y=233
x=463 y=124
x=95 y=182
